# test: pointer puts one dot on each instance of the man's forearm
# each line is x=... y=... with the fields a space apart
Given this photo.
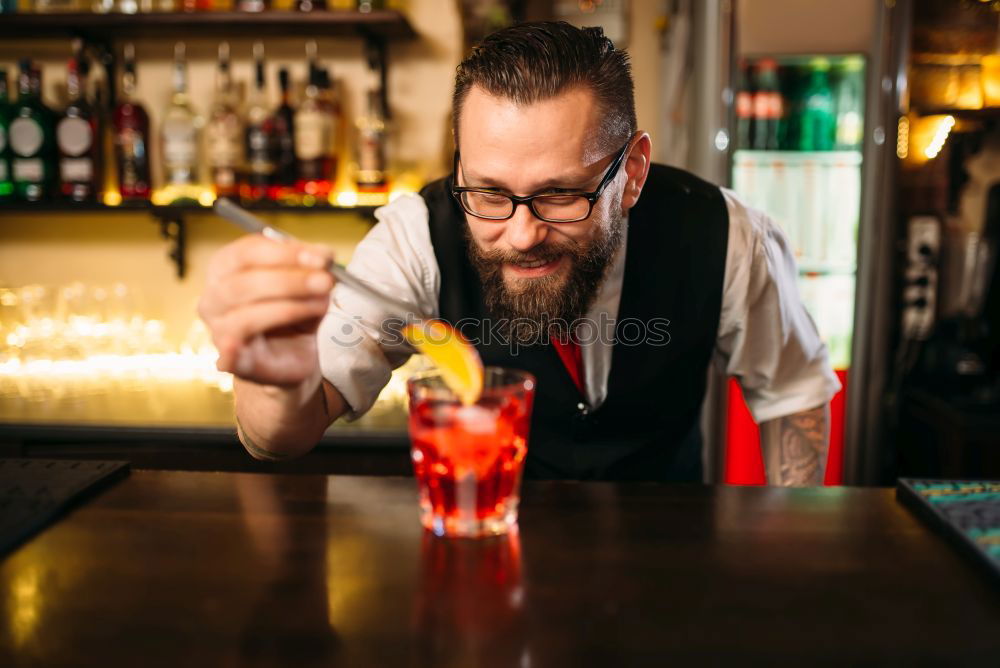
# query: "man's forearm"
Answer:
x=795 y=448
x=279 y=423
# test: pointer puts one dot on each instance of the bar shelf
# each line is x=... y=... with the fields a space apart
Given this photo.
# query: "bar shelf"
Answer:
x=381 y=25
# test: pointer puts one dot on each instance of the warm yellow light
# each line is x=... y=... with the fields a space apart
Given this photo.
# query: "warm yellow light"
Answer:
x=940 y=137
x=373 y=199
x=206 y=198
x=903 y=138
x=185 y=366
x=170 y=194
x=24 y=600
x=347 y=198
x=112 y=198
x=163 y=196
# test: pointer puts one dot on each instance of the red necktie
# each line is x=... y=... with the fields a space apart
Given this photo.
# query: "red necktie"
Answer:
x=572 y=358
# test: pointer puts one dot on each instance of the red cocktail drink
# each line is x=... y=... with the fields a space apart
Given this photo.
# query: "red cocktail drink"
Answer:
x=468 y=458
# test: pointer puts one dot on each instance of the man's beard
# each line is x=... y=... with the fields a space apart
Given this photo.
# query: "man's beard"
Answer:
x=534 y=308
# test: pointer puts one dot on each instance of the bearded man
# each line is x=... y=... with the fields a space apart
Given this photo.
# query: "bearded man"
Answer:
x=557 y=248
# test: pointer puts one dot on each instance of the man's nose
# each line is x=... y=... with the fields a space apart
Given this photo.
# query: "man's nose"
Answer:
x=524 y=231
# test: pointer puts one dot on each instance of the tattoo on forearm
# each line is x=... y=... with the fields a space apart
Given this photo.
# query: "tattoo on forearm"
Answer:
x=795 y=448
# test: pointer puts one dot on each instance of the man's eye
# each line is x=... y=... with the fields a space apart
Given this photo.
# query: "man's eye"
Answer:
x=490 y=198
x=560 y=200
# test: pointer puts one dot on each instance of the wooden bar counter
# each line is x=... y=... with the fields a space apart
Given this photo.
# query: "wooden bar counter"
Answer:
x=221 y=569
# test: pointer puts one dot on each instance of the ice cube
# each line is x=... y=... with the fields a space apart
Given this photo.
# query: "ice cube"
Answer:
x=476 y=419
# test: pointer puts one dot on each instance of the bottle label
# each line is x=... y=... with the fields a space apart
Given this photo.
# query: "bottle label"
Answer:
x=223 y=142
x=311 y=134
x=259 y=151
x=26 y=137
x=370 y=155
x=75 y=136
x=744 y=104
x=257 y=141
x=224 y=177
x=132 y=144
x=76 y=169
x=822 y=104
x=767 y=105
x=179 y=144
x=29 y=170
x=849 y=129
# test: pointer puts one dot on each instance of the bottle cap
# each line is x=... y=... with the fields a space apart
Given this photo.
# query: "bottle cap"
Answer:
x=852 y=64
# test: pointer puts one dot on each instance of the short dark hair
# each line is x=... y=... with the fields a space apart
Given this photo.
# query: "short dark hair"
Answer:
x=531 y=62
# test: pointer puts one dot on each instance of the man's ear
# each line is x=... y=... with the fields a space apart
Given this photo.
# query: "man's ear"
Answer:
x=636 y=170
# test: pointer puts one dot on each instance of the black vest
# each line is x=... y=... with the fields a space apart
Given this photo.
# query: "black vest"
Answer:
x=647 y=428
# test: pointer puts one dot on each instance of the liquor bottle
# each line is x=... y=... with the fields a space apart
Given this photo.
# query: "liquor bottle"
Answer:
x=310 y=5
x=312 y=140
x=180 y=130
x=338 y=131
x=131 y=131
x=58 y=6
x=78 y=140
x=6 y=184
x=744 y=108
x=817 y=122
x=224 y=133
x=32 y=141
x=768 y=107
x=372 y=173
x=260 y=161
x=283 y=124
x=252 y=5
x=850 y=110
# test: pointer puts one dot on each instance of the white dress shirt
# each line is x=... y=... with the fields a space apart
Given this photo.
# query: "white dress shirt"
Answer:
x=766 y=338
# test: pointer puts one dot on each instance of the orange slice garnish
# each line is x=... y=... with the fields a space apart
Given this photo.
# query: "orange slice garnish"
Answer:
x=455 y=358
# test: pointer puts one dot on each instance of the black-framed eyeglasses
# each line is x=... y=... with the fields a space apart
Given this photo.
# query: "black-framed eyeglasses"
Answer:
x=557 y=206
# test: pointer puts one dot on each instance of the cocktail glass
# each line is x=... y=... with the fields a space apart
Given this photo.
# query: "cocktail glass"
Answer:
x=468 y=458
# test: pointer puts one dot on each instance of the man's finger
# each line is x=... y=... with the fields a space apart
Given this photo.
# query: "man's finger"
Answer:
x=241 y=324
x=255 y=285
x=254 y=250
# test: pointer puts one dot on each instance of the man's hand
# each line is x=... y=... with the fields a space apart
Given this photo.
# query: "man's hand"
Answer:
x=795 y=448
x=263 y=302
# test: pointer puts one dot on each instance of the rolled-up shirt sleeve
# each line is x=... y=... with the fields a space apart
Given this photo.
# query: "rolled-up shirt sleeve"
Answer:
x=356 y=355
x=767 y=339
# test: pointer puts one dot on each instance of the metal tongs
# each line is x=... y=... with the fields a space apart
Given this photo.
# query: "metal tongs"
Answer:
x=254 y=225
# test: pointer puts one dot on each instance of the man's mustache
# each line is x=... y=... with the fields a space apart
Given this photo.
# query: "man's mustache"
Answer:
x=546 y=253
